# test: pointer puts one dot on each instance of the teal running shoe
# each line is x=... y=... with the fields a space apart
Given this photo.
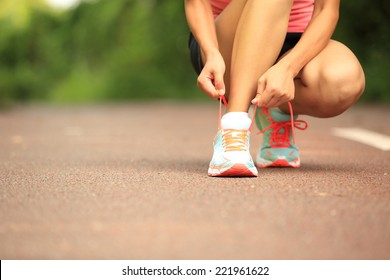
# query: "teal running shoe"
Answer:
x=231 y=157
x=278 y=148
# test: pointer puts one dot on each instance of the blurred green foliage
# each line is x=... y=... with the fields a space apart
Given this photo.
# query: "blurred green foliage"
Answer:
x=137 y=49
x=364 y=26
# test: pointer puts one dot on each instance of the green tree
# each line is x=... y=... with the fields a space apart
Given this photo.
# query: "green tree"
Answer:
x=364 y=27
x=137 y=49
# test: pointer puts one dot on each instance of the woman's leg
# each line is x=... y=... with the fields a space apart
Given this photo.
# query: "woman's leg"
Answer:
x=226 y=25
x=329 y=84
x=250 y=31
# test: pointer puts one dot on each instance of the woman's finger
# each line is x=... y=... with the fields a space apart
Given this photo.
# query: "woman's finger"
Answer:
x=260 y=90
x=206 y=85
x=219 y=84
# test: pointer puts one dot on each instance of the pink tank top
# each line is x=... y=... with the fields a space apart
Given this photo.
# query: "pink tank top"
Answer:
x=300 y=15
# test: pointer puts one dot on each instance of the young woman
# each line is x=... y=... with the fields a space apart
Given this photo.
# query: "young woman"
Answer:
x=268 y=53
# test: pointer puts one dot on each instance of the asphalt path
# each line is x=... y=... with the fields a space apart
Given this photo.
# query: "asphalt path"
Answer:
x=130 y=182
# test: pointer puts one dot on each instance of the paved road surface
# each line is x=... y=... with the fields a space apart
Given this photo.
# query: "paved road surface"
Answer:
x=130 y=182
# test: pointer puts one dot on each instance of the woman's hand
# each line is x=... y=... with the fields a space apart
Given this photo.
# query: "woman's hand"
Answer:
x=210 y=79
x=275 y=87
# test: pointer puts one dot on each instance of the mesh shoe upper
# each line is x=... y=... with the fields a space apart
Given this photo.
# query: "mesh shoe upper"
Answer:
x=278 y=147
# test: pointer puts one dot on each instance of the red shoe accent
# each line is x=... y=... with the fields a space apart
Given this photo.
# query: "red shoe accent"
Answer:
x=280 y=131
x=237 y=170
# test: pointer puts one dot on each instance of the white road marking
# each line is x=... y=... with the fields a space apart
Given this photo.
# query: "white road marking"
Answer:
x=374 y=139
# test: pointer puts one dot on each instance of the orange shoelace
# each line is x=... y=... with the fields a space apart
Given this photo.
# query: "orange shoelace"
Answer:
x=235 y=140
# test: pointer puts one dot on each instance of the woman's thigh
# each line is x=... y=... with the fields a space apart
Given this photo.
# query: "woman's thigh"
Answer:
x=226 y=25
x=330 y=83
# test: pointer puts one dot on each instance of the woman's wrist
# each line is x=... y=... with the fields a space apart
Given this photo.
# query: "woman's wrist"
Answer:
x=211 y=53
x=289 y=67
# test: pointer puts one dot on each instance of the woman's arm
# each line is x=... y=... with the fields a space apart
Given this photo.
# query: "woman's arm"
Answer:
x=276 y=86
x=201 y=22
x=316 y=36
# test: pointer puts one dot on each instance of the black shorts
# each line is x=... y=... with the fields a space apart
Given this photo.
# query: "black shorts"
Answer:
x=289 y=42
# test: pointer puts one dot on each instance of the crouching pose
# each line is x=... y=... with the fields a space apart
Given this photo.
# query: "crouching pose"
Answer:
x=279 y=56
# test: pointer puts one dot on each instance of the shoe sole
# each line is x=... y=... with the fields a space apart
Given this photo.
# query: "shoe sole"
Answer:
x=279 y=163
x=237 y=170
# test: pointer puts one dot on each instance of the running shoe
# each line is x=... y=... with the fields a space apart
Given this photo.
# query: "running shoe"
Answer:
x=278 y=148
x=231 y=156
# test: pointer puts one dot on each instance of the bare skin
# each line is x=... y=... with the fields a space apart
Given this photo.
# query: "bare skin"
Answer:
x=320 y=77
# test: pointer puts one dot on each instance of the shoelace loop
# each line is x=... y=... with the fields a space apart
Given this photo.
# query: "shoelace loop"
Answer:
x=280 y=132
x=234 y=140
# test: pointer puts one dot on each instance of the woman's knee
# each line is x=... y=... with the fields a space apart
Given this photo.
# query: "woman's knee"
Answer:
x=334 y=81
x=342 y=86
x=331 y=92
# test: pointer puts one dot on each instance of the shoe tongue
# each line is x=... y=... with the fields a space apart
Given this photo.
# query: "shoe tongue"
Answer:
x=279 y=116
